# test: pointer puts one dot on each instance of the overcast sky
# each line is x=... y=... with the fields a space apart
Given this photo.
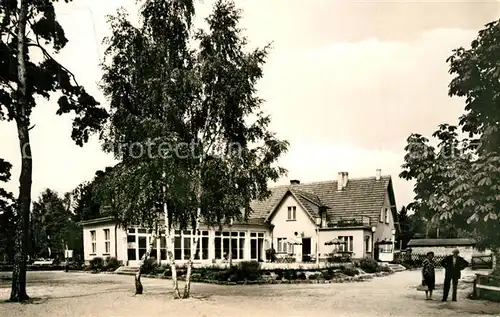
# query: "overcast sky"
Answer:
x=345 y=83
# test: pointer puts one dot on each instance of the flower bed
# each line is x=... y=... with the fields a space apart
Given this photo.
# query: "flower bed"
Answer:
x=251 y=273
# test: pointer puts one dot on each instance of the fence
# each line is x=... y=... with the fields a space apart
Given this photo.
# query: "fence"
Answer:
x=482 y=262
x=416 y=259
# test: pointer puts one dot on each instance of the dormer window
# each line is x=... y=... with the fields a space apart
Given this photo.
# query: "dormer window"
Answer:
x=292 y=213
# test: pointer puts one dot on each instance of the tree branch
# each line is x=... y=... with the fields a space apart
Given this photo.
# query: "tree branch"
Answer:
x=48 y=56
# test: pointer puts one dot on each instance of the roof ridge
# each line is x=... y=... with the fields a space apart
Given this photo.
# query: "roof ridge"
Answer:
x=329 y=181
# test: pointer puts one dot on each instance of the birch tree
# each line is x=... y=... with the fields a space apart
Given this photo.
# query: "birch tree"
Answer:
x=30 y=27
x=235 y=152
x=201 y=103
x=145 y=82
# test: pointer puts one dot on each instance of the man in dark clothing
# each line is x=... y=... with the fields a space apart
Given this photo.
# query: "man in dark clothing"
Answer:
x=453 y=265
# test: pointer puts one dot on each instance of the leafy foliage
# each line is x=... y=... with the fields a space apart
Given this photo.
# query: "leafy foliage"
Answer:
x=462 y=189
x=45 y=77
x=52 y=227
x=7 y=214
x=201 y=102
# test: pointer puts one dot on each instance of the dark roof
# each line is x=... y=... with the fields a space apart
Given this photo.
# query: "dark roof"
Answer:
x=361 y=197
x=94 y=221
x=440 y=242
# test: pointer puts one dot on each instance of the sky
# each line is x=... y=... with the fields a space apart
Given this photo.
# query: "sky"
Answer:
x=345 y=83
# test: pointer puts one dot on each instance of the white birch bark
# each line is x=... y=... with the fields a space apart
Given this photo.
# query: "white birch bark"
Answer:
x=168 y=245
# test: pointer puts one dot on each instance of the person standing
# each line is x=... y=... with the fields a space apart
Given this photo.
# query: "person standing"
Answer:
x=428 y=275
x=453 y=265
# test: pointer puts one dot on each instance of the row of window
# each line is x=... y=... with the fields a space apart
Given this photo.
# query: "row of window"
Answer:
x=225 y=243
x=107 y=241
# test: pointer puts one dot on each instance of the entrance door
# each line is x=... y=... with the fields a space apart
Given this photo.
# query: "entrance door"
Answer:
x=306 y=249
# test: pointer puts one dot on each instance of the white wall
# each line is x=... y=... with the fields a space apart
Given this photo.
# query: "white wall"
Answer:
x=120 y=252
x=330 y=234
x=384 y=230
x=284 y=228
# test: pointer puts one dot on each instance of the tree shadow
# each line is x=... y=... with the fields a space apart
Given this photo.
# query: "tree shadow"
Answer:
x=45 y=299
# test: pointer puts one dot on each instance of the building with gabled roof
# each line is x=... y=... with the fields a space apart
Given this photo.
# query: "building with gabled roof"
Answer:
x=296 y=220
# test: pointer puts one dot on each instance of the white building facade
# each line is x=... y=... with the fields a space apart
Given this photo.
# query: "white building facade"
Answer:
x=296 y=221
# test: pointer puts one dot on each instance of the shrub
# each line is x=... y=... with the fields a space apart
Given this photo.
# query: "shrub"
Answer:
x=160 y=269
x=327 y=274
x=149 y=265
x=383 y=268
x=112 y=263
x=96 y=264
x=368 y=265
x=301 y=276
x=350 y=271
x=290 y=275
x=315 y=276
x=248 y=270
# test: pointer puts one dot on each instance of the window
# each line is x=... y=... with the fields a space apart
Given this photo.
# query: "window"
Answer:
x=227 y=243
x=386 y=215
x=282 y=245
x=349 y=245
x=184 y=240
x=292 y=213
x=368 y=245
x=93 y=239
x=107 y=242
x=131 y=246
x=382 y=212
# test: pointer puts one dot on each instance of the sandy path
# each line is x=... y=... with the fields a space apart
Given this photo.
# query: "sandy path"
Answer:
x=79 y=294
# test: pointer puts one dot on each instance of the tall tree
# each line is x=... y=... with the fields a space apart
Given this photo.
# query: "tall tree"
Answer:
x=431 y=167
x=202 y=104
x=7 y=213
x=51 y=226
x=475 y=177
x=27 y=26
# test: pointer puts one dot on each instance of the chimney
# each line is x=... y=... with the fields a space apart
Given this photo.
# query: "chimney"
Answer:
x=342 y=180
x=294 y=182
x=378 y=174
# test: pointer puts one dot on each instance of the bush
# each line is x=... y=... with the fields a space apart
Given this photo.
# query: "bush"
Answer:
x=327 y=274
x=301 y=276
x=96 y=264
x=161 y=269
x=149 y=265
x=383 y=268
x=290 y=275
x=350 y=271
x=112 y=263
x=315 y=276
x=368 y=265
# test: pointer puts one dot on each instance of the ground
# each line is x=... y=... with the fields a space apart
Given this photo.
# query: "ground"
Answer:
x=80 y=294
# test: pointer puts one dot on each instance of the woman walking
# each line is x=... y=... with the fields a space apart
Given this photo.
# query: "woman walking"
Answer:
x=428 y=276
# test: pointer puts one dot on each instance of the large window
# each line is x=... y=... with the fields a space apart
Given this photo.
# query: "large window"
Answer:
x=94 y=243
x=131 y=246
x=107 y=242
x=227 y=242
x=256 y=246
x=292 y=213
x=183 y=241
x=348 y=246
x=386 y=215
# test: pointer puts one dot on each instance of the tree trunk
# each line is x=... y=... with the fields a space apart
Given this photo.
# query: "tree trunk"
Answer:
x=194 y=248
x=496 y=260
x=154 y=239
x=169 y=243
x=18 y=292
